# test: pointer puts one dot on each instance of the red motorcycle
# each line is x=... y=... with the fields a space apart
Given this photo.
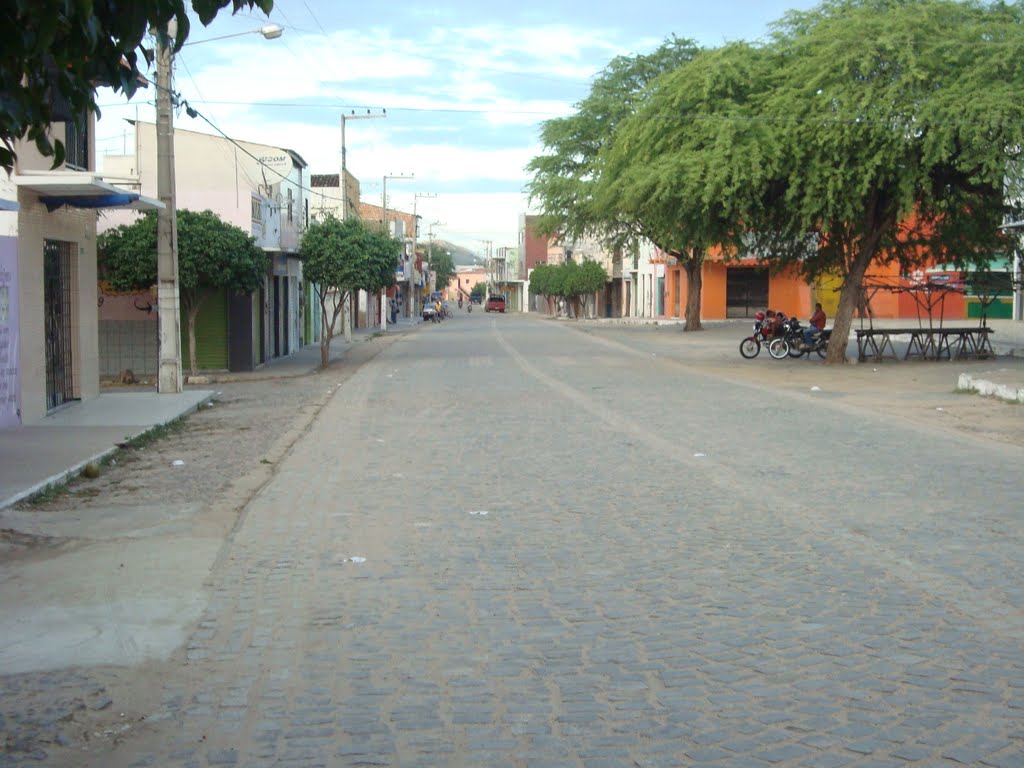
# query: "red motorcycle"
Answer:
x=764 y=332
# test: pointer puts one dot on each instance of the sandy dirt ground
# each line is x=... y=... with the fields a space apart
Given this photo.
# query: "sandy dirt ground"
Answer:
x=922 y=392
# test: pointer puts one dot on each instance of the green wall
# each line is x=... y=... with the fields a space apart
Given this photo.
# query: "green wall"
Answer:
x=211 y=334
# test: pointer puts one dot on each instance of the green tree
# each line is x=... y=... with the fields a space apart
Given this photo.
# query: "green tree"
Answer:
x=64 y=48
x=340 y=258
x=479 y=289
x=546 y=280
x=894 y=125
x=213 y=256
x=565 y=176
x=443 y=267
x=672 y=167
x=580 y=282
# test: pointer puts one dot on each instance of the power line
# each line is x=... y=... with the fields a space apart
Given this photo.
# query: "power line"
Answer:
x=440 y=110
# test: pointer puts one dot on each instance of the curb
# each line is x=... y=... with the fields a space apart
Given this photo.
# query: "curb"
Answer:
x=987 y=388
x=74 y=470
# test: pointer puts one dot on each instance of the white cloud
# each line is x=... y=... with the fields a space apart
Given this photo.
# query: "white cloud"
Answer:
x=456 y=94
x=469 y=219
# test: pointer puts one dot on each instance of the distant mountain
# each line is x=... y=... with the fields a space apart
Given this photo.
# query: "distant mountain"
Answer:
x=461 y=257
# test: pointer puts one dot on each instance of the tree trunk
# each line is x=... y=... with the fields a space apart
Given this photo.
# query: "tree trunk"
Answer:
x=848 y=299
x=694 y=283
x=325 y=332
x=328 y=328
x=346 y=303
x=192 y=313
x=191 y=301
x=879 y=218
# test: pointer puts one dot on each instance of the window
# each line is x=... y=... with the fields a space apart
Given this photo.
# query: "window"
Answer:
x=256 y=209
x=290 y=219
x=76 y=143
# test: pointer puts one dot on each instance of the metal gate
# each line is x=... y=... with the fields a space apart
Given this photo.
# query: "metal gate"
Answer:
x=60 y=379
x=746 y=291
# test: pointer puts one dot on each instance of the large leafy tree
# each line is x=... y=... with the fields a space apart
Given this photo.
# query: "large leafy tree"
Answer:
x=213 y=256
x=443 y=267
x=682 y=167
x=60 y=50
x=340 y=258
x=565 y=175
x=894 y=125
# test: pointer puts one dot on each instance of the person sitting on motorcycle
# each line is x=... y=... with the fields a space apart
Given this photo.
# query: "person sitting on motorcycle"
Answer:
x=817 y=325
x=460 y=302
x=438 y=309
x=778 y=323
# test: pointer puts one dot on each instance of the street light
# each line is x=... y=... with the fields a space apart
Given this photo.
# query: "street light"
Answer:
x=269 y=32
x=341 y=180
x=169 y=378
x=346 y=323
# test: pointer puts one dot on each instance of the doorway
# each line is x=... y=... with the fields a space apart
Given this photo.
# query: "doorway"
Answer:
x=746 y=291
x=57 y=307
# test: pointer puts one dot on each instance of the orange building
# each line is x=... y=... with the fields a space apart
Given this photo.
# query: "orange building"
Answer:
x=739 y=288
x=463 y=281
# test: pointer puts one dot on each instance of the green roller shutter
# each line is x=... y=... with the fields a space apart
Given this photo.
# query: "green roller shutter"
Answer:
x=211 y=334
x=257 y=326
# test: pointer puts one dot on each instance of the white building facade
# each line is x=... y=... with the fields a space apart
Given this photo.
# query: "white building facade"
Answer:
x=49 y=344
x=261 y=189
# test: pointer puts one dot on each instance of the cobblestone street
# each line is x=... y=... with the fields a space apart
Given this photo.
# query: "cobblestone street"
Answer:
x=504 y=542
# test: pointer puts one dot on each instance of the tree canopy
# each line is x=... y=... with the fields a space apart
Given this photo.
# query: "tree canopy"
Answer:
x=443 y=268
x=212 y=256
x=670 y=167
x=341 y=257
x=564 y=177
x=59 y=51
x=570 y=281
x=895 y=125
x=861 y=131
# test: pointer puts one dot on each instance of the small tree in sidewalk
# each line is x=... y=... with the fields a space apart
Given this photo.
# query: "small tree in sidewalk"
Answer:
x=213 y=256
x=340 y=258
x=581 y=282
x=545 y=279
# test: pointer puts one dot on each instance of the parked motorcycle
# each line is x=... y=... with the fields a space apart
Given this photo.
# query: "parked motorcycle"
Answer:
x=791 y=342
x=763 y=335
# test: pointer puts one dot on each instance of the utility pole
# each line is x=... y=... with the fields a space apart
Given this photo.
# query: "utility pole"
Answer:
x=169 y=378
x=411 y=303
x=387 y=230
x=430 y=247
x=488 y=267
x=347 y=312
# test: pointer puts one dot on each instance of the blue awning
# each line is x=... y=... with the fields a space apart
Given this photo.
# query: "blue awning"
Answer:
x=81 y=189
x=53 y=202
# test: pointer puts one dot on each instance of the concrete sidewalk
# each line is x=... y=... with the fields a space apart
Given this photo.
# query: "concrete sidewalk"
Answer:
x=33 y=457
x=58 y=447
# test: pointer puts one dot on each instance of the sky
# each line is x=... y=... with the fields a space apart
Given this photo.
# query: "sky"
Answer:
x=465 y=86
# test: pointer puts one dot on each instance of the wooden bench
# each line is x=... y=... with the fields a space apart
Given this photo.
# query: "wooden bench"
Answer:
x=926 y=343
